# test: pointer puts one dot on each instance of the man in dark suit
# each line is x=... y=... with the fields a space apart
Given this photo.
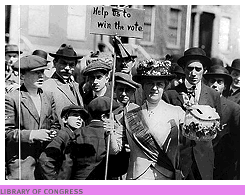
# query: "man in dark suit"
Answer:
x=234 y=93
x=61 y=85
x=226 y=144
x=30 y=118
x=197 y=156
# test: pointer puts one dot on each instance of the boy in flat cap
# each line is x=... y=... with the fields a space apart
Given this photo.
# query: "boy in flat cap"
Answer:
x=91 y=141
x=98 y=81
x=61 y=85
x=30 y=118
x=227 y=142
x=56 y=160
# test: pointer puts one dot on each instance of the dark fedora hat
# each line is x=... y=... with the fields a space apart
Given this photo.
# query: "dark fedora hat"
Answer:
x=66 y=110
x=126 y=51
x=195 y=53
x=11 y=48
x=153 y=69
x=41 y=53
x=235 y=65
x=218 y=71
x=178 y=70
x=126 y=79
x=66 y=52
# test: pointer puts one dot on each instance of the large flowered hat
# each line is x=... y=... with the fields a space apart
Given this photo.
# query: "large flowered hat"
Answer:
x=153 y=69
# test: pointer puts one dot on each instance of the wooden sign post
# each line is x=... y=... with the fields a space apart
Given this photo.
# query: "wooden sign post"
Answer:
x=116 y=21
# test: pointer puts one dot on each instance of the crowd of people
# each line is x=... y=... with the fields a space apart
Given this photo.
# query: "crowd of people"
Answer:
x=59 y=127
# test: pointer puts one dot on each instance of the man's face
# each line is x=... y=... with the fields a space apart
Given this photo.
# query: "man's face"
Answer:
x=33 y=79
x=74 y=120
x=194 y=72
x=11 y=58
x=236 y=78
x=153 y=90
x=65 y=67
x=98 y=80
x=124 y=93
x=124 y=64
x=217 y=83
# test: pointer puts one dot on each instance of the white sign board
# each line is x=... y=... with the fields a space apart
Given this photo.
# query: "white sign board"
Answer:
x=109 y=20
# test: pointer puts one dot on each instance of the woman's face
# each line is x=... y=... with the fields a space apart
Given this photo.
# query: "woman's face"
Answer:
x=153 y=89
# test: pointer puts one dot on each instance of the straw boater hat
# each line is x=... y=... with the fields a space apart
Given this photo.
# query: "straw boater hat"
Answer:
x=195 y=53
x=66 y=52
x=218 y=71
x=11 y=48
x=153 y=69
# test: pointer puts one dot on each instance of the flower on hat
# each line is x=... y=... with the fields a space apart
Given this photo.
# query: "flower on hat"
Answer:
x=154 y=67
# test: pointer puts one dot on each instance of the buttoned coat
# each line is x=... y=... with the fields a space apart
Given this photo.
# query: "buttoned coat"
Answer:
x=62 y=94
x=227 y=142
x=56 y=161
x=22 y=117
x=200 y=152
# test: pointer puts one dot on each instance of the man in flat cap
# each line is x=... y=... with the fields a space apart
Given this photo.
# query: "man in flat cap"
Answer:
x=197 y=156
x=91 y=141
x=234 y=93
x=61 y=85
x=98 y=81
x=227 y=142
x=30 y=118
x=12 y=53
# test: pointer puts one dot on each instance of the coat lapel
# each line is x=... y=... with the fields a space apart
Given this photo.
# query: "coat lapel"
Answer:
x=65 y=89
x=203 y=95
x=29 y=105
x=43 y=108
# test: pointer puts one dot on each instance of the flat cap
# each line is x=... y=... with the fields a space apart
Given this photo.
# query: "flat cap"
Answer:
x=31 y=62
x=96 y=65
x=126 y=79
x=101 y=105
x=66 y=110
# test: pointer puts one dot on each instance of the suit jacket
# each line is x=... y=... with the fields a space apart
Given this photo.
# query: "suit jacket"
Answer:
x=227 y=142
x=21 y=114
x=235 y=97
x=201 y=151
x=56 y=160
x=62 y=94
x=89 y=152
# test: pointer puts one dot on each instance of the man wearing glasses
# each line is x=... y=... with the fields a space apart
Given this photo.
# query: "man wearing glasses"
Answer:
x=61 y=85
x=197 y=156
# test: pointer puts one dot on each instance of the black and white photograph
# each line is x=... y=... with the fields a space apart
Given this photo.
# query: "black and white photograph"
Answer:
x=122 y=92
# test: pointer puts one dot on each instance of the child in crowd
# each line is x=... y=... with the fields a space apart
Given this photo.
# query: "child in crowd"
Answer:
x=56 y=161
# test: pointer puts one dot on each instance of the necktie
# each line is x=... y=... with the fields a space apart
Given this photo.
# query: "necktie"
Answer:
x=191 y=92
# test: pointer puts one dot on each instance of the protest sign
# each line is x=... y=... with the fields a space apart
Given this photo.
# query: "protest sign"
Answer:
x=109 y=20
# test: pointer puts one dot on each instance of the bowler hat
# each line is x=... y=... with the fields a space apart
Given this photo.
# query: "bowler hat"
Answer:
x=153 y=69
x=194 y=53
x=66 y=52
x=41 y=53
x=96 y=65
x=126 y=79
x=218 y=71
x=11 y=48
x=235 y=65
x=66 y=110
x=31 y=63
x=101 y=105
